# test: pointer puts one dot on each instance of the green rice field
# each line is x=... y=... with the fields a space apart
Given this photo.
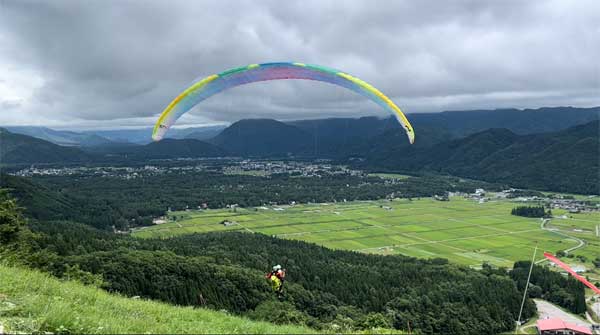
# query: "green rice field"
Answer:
x=461 y=230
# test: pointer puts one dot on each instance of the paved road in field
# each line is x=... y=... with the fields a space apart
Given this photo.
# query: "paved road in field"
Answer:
x=596 y=308
x=557 y=231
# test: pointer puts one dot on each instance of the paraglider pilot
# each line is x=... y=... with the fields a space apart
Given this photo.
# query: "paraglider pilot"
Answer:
x=277 y=277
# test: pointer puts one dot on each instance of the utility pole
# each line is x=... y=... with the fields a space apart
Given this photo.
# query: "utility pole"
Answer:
x=526 y=287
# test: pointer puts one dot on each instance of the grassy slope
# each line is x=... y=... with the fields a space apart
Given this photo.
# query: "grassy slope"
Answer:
x=32 y=301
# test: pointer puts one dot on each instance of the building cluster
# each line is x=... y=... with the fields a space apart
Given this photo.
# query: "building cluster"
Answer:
x=442 y=197
x=573 y=206
x=478 y=195
x=554 y=201
x=318 y=169
x=229 y=223
x=107 y=171
x=296 y=168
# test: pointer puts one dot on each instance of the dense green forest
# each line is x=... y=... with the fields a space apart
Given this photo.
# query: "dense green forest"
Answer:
x=111 y=201
x=324 y=287
x=551 y=286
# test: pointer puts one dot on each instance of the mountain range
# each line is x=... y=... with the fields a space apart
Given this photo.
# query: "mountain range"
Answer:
x=336 y=137
x=508 y=146
x=111 y=138
x=565 y=161
x=329 y=134
x=519 y=121
x=262 y=137
x=23 y=149
x=60 y=137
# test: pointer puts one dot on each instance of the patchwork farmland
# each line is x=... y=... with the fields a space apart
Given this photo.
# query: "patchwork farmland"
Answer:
x=460 y=230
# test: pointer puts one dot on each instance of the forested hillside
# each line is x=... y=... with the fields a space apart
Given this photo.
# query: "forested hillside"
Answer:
x=550 y=285
x=262 y=137
x=518 y=121
x=20 y=149
x=324 y=287
x=346 y=136
x=565 y=161
x=23 y=149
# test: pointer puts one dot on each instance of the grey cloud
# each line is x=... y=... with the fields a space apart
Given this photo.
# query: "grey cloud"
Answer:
x=9 y=104
x=119 y=63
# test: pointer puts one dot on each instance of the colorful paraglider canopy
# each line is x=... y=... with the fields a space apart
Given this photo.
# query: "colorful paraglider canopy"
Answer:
x=213 y=84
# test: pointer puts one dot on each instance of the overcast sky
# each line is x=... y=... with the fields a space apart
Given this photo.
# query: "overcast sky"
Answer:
x=88 y=64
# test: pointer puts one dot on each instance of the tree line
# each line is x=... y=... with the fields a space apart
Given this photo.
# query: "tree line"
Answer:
x=550 y=285
x=106 y=202
x=531 y=211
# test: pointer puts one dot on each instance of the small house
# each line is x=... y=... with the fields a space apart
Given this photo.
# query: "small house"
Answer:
x=557 y=326
x=228 y=223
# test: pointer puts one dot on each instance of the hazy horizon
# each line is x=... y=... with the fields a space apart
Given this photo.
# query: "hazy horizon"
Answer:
x=226 y=124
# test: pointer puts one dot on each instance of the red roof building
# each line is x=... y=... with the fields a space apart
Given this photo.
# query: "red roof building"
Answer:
x=559 y=327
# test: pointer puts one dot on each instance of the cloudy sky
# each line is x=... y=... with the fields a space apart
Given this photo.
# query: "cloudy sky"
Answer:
x=100 y=64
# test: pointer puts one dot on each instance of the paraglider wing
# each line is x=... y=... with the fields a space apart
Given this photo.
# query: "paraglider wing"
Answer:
x=216 y=83
x=573 y=273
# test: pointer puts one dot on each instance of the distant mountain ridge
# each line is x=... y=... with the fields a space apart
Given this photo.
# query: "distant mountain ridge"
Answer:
x=101 y=138
x=566 y=161
x=174 y=148
x=23 y=149
x=144 y=135
x=519 y=121
x=337 y=136
x=60 y=137
x=331 y=133
x=262 y=137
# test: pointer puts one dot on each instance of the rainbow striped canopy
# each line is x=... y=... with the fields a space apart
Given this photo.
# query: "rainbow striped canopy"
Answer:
x=216 y=83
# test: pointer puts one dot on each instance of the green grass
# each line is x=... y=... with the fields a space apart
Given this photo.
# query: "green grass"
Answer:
x=31 y=301
x=461 y=230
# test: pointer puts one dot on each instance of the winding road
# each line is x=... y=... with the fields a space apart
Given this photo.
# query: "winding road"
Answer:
x=581 y=243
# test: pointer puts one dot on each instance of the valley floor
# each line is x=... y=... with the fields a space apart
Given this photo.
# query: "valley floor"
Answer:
x=461 y=230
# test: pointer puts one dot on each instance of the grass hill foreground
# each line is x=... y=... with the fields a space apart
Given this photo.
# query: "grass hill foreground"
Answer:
x=31 y=302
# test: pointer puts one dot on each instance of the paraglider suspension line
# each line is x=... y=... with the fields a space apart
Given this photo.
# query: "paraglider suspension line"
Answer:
x=525 y=290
